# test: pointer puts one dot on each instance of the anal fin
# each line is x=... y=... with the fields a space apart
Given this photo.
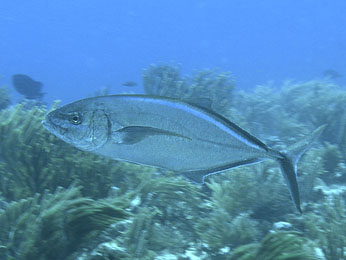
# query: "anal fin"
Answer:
x=199 y=175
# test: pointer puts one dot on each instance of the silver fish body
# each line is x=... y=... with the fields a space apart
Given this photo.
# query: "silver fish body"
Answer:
x=166 y=133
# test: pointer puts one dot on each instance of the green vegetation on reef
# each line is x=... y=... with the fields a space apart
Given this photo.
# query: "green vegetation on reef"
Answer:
x=166 y=81
x=52 y=226
x=57 y=202
x=165 y=217
x=4 y=98
x=278 y=246
x=328 y=228
x=33 y=160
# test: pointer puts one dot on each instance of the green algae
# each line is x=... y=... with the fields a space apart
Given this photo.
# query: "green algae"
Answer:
x=277 y=246
x=4 y=97
x=167 y=81
x=33 y=160
x=326 y=226
x=52 y=226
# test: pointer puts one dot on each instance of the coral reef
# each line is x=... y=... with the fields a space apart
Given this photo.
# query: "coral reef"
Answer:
x=331 y=159
x=60 y=203
x=54 y=225
x=206 y=88
x=220 y=230
x=4 y=98
x=278 y=246
x=326 y=225
x=32 y=160
x=164 y=211
x=316 y=103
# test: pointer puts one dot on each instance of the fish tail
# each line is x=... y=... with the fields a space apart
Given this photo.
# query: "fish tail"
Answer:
x=288 y=170
x=288 y=163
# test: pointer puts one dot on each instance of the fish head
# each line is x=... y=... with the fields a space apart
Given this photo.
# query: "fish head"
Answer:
x=80 y=125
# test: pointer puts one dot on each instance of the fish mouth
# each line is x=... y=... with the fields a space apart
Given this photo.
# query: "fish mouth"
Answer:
x=48 y=124
x=51 y=126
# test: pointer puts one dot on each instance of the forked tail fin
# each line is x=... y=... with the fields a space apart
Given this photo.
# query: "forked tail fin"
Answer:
x=288 y=163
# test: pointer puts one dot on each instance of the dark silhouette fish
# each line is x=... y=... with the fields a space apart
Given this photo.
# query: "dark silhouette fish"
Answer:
x=170 y=134
x=331 y=74
x=129 y=84
x=28 y=87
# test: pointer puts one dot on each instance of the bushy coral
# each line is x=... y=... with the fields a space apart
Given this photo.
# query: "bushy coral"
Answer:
x=317 y=103
x=241 y=206
x=146 y=235
x=169 y=193
x=260 y=183
x=278 y=246
x=4 y=98
x=55 y=225
x=164 y=80
x=220 y=230
x=164 y=215
x=227 y=191
x=326 y=225
x=206 y=88
x=33 y=160
x=266 y=117
x=331 y=158
x=311 y=172
x=314 y=102
x=163 y=212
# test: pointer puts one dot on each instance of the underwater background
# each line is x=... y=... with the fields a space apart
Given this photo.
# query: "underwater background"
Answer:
x=275 y=68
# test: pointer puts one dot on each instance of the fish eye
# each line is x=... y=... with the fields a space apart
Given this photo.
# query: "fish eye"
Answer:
x=75 y=118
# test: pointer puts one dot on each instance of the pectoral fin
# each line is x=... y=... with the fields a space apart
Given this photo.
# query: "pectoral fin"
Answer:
x=135 y=134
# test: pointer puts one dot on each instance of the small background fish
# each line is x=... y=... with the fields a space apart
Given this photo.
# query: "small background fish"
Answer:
x=28 y=87
x=332 y=74
x=130 y=84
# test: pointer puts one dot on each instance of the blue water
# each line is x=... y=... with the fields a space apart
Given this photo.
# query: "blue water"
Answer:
x=77 y=47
